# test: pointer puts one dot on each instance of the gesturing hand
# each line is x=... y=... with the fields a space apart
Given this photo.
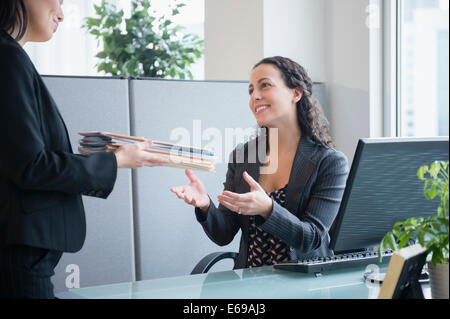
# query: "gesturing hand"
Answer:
x=256 y=202
x=193 y=193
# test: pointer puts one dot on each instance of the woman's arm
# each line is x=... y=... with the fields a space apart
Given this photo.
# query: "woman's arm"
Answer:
x=306 y=234
x=24 y=158
x=219 y=223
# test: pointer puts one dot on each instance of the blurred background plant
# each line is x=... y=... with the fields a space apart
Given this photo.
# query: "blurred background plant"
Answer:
x=432 y=232
x=144 y=44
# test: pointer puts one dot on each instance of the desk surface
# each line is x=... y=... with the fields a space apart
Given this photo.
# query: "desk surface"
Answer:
x=259 y=283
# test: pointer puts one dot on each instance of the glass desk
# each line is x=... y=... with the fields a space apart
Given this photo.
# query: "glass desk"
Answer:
x=259 y=283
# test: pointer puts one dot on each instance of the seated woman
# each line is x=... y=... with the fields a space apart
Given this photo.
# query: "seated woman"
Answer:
x=284 y=213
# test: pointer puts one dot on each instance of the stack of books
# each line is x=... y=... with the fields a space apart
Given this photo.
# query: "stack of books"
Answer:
x=179 y=155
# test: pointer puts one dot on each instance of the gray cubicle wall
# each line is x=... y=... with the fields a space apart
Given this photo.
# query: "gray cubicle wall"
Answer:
x=169 y=240
x=90 y=104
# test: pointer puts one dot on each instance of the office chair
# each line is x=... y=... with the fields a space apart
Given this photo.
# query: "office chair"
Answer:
x=205 y=264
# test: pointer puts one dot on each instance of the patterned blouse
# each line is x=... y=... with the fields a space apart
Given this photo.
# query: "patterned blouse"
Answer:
x=264 y=248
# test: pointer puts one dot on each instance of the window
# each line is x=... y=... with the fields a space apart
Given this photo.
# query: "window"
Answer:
x=72 y=50
x=423 y=57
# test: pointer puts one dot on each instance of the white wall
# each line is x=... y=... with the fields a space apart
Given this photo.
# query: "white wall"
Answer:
x=348 y=72
x=240 y=33
x=296 y=29
x=233 y=38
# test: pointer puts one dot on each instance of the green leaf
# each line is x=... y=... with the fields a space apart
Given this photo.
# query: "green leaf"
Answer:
x=95 y=32
x=198 y=53
x=166 y=35
x=101 y=55
x=93 y=22
x=404 y=239
x=435 y=168
x=432 y=192
x=101 y=67
x=421 y=172
x=380 y=255
x=392 y=243
x=421 y=238
x=382 y=246
x=145 y=4
x=130 y=49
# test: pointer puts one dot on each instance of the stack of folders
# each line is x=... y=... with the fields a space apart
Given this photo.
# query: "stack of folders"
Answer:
x=178 y=155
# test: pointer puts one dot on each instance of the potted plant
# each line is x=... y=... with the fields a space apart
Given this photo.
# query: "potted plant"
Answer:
x=143 y=44
x=432 y=232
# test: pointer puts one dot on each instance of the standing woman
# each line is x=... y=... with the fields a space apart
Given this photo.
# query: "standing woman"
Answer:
x=41 y=180
x=284 y=213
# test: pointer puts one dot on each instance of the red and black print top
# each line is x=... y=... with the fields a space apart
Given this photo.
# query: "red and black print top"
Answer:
x=265 y=249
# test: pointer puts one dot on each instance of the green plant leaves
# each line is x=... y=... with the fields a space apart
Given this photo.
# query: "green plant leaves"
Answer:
x=432 y=192
x=392 y=242
x=433 y=232
x=101 y=55
x=143 y=44
x=94 y=22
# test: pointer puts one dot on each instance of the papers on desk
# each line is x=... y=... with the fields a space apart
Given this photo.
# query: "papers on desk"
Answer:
x=179 y=155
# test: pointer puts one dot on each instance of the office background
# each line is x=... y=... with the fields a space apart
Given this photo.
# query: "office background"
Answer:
x=383 y=65
x=143 y=231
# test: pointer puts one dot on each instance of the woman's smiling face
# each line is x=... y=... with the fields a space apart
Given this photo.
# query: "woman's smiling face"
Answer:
x=44 y=17
x=271 y=101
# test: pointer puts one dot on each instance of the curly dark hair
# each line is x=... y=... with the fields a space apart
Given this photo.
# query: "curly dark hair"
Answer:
x=310 y=116
x=13 y=15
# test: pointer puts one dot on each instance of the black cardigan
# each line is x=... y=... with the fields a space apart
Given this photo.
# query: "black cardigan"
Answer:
x=41 y=180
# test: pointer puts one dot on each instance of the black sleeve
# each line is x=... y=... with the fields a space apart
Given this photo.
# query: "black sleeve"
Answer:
x=24 y=158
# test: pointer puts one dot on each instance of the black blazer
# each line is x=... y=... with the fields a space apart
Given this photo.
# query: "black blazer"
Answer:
x=41 y=180
x=313 y=195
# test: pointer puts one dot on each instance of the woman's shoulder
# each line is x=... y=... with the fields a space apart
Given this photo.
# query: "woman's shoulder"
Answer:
x=317 y=152
x=12 y=54
x=330 y=152
x=332 y=159
x=9 y=46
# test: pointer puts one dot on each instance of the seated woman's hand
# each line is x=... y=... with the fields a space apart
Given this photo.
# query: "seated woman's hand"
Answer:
x=135 y=156
x=256 y=202
x=193 y=193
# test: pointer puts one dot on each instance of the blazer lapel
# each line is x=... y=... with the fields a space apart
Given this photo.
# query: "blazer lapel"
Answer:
x=252 y=167
x=302 y=169
x=253 y=160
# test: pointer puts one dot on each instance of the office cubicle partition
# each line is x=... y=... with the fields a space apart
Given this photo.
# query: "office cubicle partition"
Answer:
x=143 y=231
x=169 y=239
